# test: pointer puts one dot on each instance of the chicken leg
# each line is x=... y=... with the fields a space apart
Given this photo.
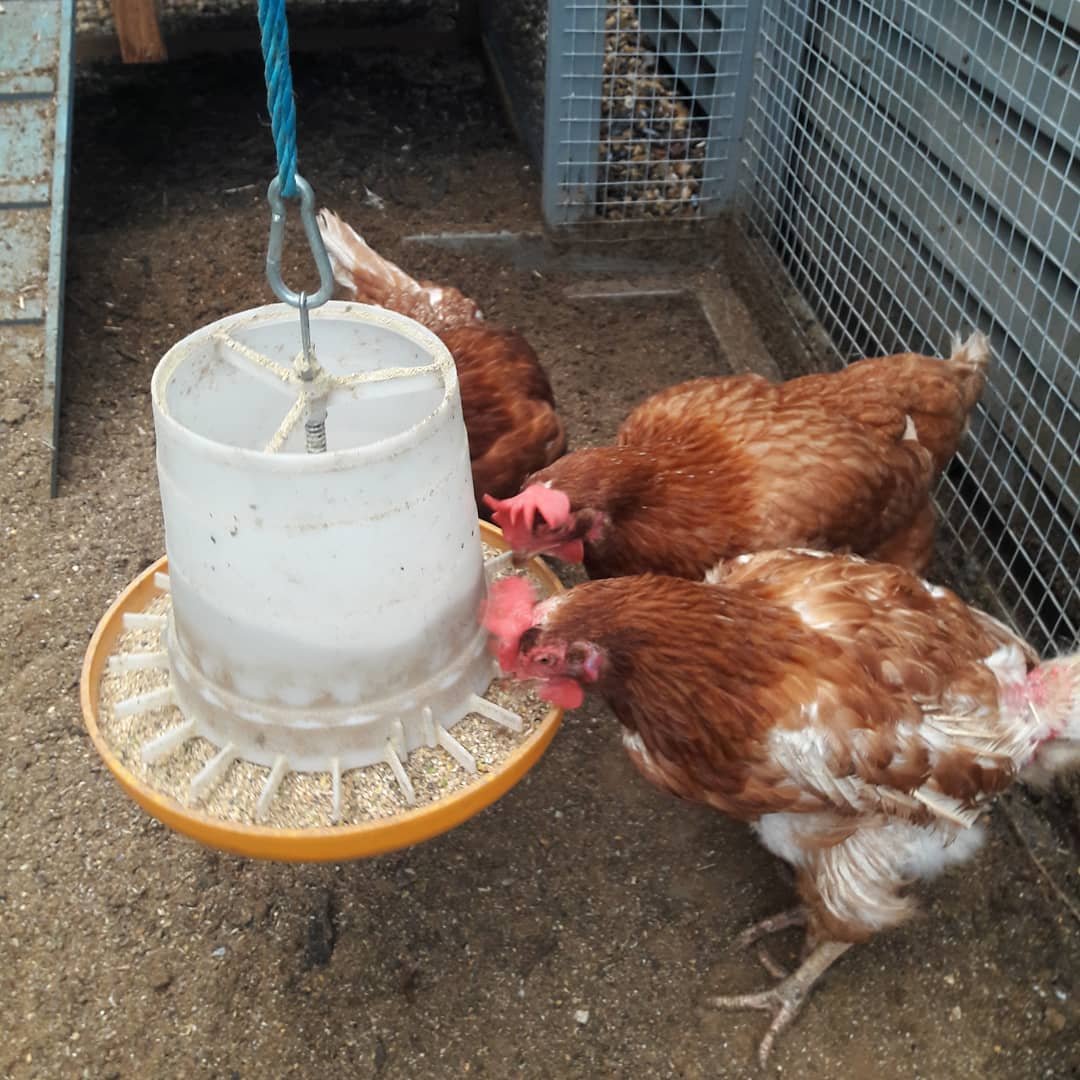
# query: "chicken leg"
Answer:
x=786 y=999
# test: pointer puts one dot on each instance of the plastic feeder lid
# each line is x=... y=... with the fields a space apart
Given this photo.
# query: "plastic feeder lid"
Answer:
x=328 y=844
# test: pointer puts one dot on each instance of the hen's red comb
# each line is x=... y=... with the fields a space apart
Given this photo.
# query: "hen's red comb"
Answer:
x=516 y=515
x=507 y=614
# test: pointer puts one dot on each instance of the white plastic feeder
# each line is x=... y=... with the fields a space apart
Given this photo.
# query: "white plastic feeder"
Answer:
x=324 y=605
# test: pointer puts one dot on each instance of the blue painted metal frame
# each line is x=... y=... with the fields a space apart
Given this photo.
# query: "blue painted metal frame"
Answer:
x=36 y=68
x=575 y=58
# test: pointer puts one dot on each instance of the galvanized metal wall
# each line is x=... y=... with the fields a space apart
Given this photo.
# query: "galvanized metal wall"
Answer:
x=645 y=102
x=36 y=44
x=915 y=166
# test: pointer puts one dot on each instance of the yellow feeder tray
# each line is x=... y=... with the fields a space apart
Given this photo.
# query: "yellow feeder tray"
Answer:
x=329 y=844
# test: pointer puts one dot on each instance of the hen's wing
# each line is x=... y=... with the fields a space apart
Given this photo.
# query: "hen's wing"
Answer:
x=938 y=394
x=908 y=720
x=789 y=472
x=508 y=406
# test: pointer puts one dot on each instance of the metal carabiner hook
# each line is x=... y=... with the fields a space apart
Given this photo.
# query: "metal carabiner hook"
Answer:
x=315 y=408
x=314 y=239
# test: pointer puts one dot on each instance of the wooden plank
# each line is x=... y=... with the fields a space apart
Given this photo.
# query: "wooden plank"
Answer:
x=29 y=52
x=26 y=157
x=36 y=45
x=138 y=31
x=1001 y=48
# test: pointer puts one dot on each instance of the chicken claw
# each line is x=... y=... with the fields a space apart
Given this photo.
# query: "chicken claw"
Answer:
x=786 y=999
x=777 y=971
x=796 y=916
x=783 y=1001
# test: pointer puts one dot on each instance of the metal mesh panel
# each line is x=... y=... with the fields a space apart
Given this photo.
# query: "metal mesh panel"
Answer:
x=914 y=165
x=644 y=105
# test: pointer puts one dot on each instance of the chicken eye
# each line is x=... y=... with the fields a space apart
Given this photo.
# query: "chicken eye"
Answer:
x=545 y=660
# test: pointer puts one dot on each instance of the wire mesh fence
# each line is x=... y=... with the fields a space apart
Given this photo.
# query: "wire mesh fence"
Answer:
x=913 y=166
x=644 y=105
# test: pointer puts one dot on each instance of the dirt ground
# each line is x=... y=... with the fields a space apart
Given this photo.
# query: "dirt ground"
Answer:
x=572 y=930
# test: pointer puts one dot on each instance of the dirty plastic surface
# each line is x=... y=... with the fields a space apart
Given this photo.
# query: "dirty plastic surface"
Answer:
x=321 y=602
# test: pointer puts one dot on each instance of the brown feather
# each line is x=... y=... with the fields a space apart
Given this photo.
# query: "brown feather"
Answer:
x=506 y=398
x=715 y=467
x=842 y=697
x=705 y=673
x=937 y=394
x=508 y=405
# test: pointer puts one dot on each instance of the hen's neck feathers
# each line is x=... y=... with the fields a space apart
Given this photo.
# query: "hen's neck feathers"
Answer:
x=653 y=501
x=669 y=639
x=614 y=479
x=692 y=672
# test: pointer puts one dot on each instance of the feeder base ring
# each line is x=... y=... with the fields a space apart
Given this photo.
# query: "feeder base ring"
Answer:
x=335 y=843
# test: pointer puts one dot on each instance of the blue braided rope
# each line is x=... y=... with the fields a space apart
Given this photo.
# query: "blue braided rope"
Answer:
x=279 y=90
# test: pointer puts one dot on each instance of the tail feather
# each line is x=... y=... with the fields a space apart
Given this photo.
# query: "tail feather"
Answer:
x=970 y=360
x=1054 y=695
x=359 y=268
x=974 y=353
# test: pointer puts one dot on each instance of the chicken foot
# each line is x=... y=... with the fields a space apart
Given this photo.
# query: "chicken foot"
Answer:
x=796 y=916
x=786 y=999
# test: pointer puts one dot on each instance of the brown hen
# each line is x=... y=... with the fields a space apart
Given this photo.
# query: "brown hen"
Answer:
x=506 y=398
x=712 y=468
x=860 y=719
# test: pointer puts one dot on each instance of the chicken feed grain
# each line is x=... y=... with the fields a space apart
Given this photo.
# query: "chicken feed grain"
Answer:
x=304 y=800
